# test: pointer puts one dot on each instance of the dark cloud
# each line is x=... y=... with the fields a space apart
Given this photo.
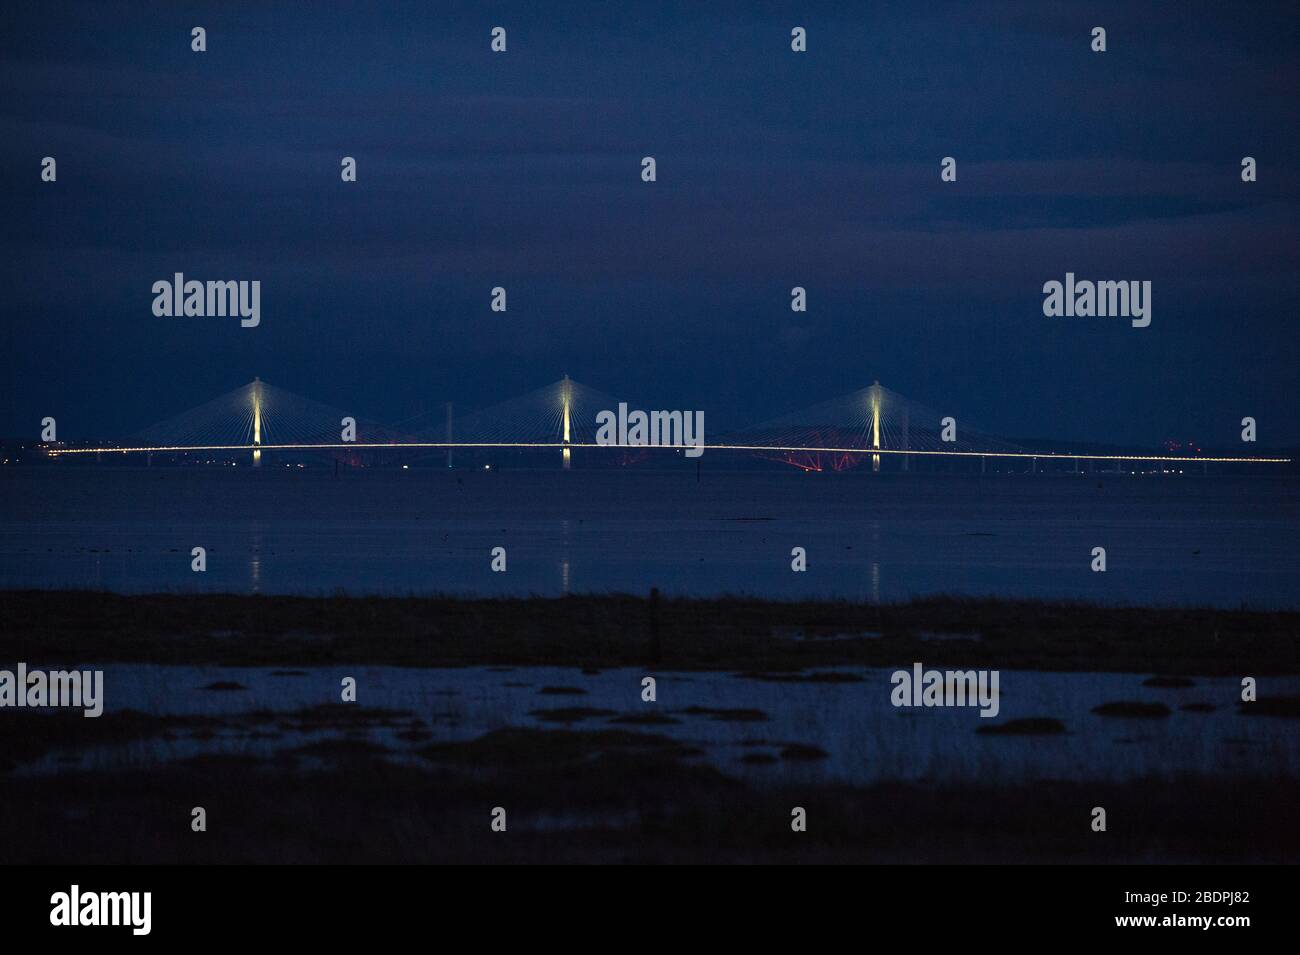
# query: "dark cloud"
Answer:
x=774 y=170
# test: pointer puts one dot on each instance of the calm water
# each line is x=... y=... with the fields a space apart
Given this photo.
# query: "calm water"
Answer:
x=1169 y=539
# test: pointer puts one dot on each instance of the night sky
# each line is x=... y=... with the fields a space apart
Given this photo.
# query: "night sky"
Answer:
x=775 y=169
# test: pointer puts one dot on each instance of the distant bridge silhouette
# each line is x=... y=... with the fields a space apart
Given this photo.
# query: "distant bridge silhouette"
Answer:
x=869 y=424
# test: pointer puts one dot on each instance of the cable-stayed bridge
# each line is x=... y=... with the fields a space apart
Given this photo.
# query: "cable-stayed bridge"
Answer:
x=869 y=425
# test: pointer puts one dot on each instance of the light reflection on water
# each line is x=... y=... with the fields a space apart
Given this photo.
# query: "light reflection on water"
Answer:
x=564 y=557
x=1169 y=540
x=255 y=561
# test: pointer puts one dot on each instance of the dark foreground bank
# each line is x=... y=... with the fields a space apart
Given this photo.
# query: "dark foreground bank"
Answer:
x=615 y=796
x=363 y=783
x=620 y=630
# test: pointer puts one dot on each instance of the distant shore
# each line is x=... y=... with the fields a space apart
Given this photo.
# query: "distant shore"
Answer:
x=621 y=630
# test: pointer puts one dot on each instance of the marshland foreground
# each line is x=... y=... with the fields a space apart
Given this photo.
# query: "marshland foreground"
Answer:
x=233 y=703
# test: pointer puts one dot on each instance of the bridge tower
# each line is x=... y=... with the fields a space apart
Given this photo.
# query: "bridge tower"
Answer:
x=566 y=398
x=875 y=424
x=257 y=422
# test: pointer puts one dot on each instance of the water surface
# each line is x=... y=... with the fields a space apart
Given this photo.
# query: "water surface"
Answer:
x=1170 y=540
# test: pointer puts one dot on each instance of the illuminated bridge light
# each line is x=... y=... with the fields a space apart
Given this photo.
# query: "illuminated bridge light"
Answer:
x=874 y=422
